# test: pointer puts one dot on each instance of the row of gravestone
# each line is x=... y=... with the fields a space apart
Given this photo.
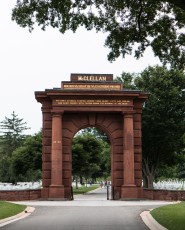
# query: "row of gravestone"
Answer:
x=167 y=185
x=21 y=185
x=170 y=184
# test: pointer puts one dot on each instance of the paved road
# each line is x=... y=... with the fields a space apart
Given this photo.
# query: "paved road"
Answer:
x=87 y=212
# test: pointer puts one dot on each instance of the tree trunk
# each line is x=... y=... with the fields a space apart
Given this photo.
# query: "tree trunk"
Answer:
x=86 y=181
x=148 y=174
x=76 y=182
x=150 y=180
x=145 y=182
x=81 y=180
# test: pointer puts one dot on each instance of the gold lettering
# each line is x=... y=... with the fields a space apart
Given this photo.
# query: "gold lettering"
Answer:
x=80 y=78
x=102 y=78
x=92 y=78
x=91 y=86
x=92 y=102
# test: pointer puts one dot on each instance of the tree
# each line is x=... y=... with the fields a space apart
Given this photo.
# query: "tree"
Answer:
x=163 y=120
x=12 y=137
x=180 y=169
x=127 y=79
x=26 y=161
x=86 y=151
x=131 y=26
x=91 y=154
x=105 y=163
x=12 y=130
x=96 y=132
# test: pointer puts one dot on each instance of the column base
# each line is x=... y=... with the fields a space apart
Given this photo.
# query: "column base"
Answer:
x=56 y=192
x=129 y=192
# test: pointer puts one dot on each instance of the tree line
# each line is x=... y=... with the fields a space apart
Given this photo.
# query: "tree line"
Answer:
x=20 y=154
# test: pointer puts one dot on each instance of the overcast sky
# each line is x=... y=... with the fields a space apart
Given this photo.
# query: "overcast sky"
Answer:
x=40 y=60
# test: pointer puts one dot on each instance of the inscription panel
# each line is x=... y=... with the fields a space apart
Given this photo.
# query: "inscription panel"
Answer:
x=92 y=102
x=71 y=86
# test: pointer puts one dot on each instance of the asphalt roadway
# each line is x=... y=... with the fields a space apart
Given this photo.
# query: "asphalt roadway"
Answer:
x=91 y=211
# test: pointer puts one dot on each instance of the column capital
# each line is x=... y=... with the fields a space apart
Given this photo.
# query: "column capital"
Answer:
x=57 y=112
x=127 y=113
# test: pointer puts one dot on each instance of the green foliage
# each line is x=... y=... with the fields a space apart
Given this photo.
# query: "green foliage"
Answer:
x=165 y=109
x=163 y=120
x=127 y=79
x=91 y=155
x=9 y=209
x=163 y=117
x=96 y=132
x=171 y=216
x=166 y=172
x=12 y=136
x=180 y=169
x=105 y=163
x=131 y=26
x=26 y=161
x=5 y=171
x=12 y=133
x=20 y=155
x=86 y=149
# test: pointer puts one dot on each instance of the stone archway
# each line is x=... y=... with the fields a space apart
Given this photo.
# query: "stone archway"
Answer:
x=91 y=100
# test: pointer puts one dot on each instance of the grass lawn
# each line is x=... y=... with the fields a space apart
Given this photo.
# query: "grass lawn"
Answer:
x=9 y=209
x=171 y=216
x=84 y=189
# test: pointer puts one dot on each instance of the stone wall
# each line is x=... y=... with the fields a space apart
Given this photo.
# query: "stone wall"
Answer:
x=35 y=194
x=18 y=195
x=159 y=194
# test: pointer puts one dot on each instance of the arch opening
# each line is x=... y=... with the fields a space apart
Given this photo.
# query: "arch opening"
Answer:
x=91 y=161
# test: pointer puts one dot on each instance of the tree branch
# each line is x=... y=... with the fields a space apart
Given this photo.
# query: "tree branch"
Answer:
x=139 y=17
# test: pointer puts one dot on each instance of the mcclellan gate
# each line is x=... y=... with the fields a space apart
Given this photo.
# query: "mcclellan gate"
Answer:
x=91 y=100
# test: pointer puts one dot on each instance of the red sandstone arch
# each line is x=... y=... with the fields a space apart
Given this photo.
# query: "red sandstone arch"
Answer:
x=116 y=112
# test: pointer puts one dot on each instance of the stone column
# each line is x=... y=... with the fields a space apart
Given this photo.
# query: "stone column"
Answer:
x=56 y=187
x=129 y=189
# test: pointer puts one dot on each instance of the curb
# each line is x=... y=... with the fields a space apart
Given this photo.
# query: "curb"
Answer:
x=150 y=222
x=19 y=216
